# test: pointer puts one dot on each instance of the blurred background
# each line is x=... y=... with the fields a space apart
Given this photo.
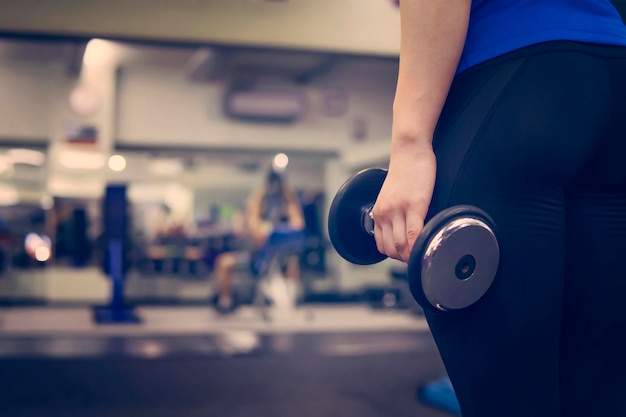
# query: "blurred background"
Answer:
x=150 y=123
x=188 y=118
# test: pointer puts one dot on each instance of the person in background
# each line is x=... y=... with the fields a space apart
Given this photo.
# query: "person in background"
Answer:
x=271 y=206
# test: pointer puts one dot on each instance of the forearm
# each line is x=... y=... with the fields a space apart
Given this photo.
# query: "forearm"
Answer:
x=432 y=38
x=296 y=218
x=294 y=211
x=253 y=215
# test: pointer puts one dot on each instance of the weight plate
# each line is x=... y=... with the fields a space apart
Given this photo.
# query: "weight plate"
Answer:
x=345 y=218
x=454 y=260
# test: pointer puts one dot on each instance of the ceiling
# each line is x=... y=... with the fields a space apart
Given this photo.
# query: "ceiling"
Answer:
x=313 y=25
x=299 y=65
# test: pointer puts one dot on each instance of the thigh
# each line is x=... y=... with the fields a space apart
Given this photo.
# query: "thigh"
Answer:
x=593 y=346
x=502 y=146
x=593 y=350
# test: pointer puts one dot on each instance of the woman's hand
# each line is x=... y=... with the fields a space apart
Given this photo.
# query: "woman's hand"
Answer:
x=403 y=201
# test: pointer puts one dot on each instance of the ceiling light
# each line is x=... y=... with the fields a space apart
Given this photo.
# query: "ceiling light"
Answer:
x=117 y=163
x=280 y=162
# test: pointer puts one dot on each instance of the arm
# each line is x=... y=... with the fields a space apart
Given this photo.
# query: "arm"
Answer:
x=253 y=217
x=294 y=210
x=432 y=39
x=297 y=223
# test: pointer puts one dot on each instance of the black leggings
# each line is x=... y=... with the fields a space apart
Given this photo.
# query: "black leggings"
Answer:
x=537 y=138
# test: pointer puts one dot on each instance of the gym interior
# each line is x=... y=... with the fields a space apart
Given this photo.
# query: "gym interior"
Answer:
x=131 y=136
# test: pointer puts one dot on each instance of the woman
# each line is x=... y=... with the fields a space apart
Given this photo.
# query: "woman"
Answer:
x=269 y=208
x=518 y=107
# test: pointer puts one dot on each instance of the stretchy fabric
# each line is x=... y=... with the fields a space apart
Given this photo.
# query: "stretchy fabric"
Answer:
x=537 y=139
x=500 y=26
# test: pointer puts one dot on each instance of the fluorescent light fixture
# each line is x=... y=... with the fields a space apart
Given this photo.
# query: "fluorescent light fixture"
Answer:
x=84 y=160
x=26 y=156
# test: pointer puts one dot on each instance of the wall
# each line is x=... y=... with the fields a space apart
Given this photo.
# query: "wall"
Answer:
x=27 y=97
x=159 y=106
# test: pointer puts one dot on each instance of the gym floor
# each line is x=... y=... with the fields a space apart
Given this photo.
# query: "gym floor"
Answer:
x=322 y=361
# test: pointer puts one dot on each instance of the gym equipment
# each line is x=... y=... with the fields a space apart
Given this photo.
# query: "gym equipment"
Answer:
x=453 y=262
x=115 y=219
x=80 y=245
x=440 y=394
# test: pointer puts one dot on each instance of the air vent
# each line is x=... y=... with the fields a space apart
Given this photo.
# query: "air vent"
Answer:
x=269 y=105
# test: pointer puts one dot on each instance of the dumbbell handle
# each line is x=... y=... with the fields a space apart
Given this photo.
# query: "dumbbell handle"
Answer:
x=368 y=220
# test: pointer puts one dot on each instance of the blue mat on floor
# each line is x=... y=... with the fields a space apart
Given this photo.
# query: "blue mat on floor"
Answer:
x=440 y=394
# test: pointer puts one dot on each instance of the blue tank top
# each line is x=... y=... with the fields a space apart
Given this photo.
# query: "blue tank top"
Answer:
x=500 y=26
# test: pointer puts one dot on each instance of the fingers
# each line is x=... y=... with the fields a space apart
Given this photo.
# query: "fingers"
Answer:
x=414 y=225
x=393 y=238
x=399 y=242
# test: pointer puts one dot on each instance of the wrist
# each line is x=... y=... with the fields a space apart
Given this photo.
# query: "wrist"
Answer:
x=411 y=143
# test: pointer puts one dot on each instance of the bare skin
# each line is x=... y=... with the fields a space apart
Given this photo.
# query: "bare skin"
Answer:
x=259 y=235
x=432 y=38
x=226 y=262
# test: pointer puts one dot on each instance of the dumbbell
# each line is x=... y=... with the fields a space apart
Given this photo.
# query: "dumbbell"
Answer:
x=454 y=259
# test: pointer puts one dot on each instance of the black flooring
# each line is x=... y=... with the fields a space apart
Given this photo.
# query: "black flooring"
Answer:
x=308 y=375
